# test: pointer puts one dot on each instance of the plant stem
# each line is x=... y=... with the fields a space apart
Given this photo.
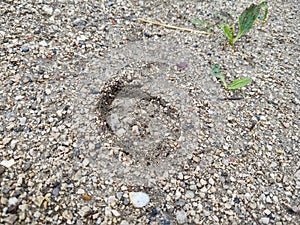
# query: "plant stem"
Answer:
x=172 y=27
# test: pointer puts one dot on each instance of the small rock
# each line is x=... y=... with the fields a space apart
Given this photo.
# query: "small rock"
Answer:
x=6 y=140
x=86 y=197
x=85 y=162
x=26 y=166
x=120 y=132
x=181 y=217
x=39 y=200
x=227 y=206
x=85 y=210
x=297 y=175
x=267 y=212
x=139 y=199
x=268 y=199
x=248 y=196
x=119 y=195
x=67 y=214
x=19 y=97
x=2 y=169
x=264 y=220
x=12 y=201
x=22 y=120
x=48 y=91
x=11 y=219
x=37 y=214
x=180 y=203
x=23 y=207
x=124 y=222
x=47 y=9
x=59 y=113
x=135 y=130
x=80 y=191
x=115 y=213
x=181 y=66
x=25 y=49
x=203 y=182
x=252 y=205
x=189 y=194
x=211 y=181
x=99 y=221
x=13 y=144
x=55 y=191
x=7 y=163
x=180 y=176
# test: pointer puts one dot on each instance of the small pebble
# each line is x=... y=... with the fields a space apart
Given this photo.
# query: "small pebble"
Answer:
x=12 y=201
x=181 y=217
x=25 y=49
x=189 y=194
x=139 y=199
x=47 y=9
x=264 y=220
x=7 y=163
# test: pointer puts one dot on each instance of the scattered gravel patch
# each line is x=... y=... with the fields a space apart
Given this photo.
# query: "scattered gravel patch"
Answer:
x=106 y=120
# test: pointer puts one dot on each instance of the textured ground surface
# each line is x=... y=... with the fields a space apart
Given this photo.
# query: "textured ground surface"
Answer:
x=96 y=106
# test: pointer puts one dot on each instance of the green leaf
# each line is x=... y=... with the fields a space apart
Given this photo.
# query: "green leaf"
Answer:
x=199 y=23
x=228 y=32
x=247 y=18
x=263 y=4
x=239 y=83
x=216 y=71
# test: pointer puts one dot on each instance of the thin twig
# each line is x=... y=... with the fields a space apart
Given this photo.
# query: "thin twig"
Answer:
x=172 y=27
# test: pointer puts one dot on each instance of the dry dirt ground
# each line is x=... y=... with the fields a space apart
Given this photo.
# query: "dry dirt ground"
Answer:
x=96 y=106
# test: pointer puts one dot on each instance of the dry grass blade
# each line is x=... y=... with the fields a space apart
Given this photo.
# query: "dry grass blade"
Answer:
x=172 y=27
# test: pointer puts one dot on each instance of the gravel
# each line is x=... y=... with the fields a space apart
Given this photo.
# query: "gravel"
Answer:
x=107 y=120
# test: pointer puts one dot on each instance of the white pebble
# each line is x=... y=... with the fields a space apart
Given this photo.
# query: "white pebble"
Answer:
x=139 y=199
x=19 y=97
x=189 y=194
x=135 y=130
x=267 y=212
x=203 y=182
x=13 y=144
x=12 y=201
x=268 y=199
x=59 y=113
x=264 y=220
x=181 y=217
x=47 y=9
x=43 y=43
x=180 y=176
x=22 y=120
x=115 y=213
x=248 y=196
x=80 y=191
x=85 y=162
x=7 y=163
x=124 y=222
x=47 y=91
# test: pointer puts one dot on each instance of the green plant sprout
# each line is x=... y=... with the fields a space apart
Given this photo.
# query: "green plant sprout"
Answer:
x=201 y=25
x=216 y=71
x=246 y=21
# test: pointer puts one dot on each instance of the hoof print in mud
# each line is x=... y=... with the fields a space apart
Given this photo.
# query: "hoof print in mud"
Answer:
x=144 y=126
